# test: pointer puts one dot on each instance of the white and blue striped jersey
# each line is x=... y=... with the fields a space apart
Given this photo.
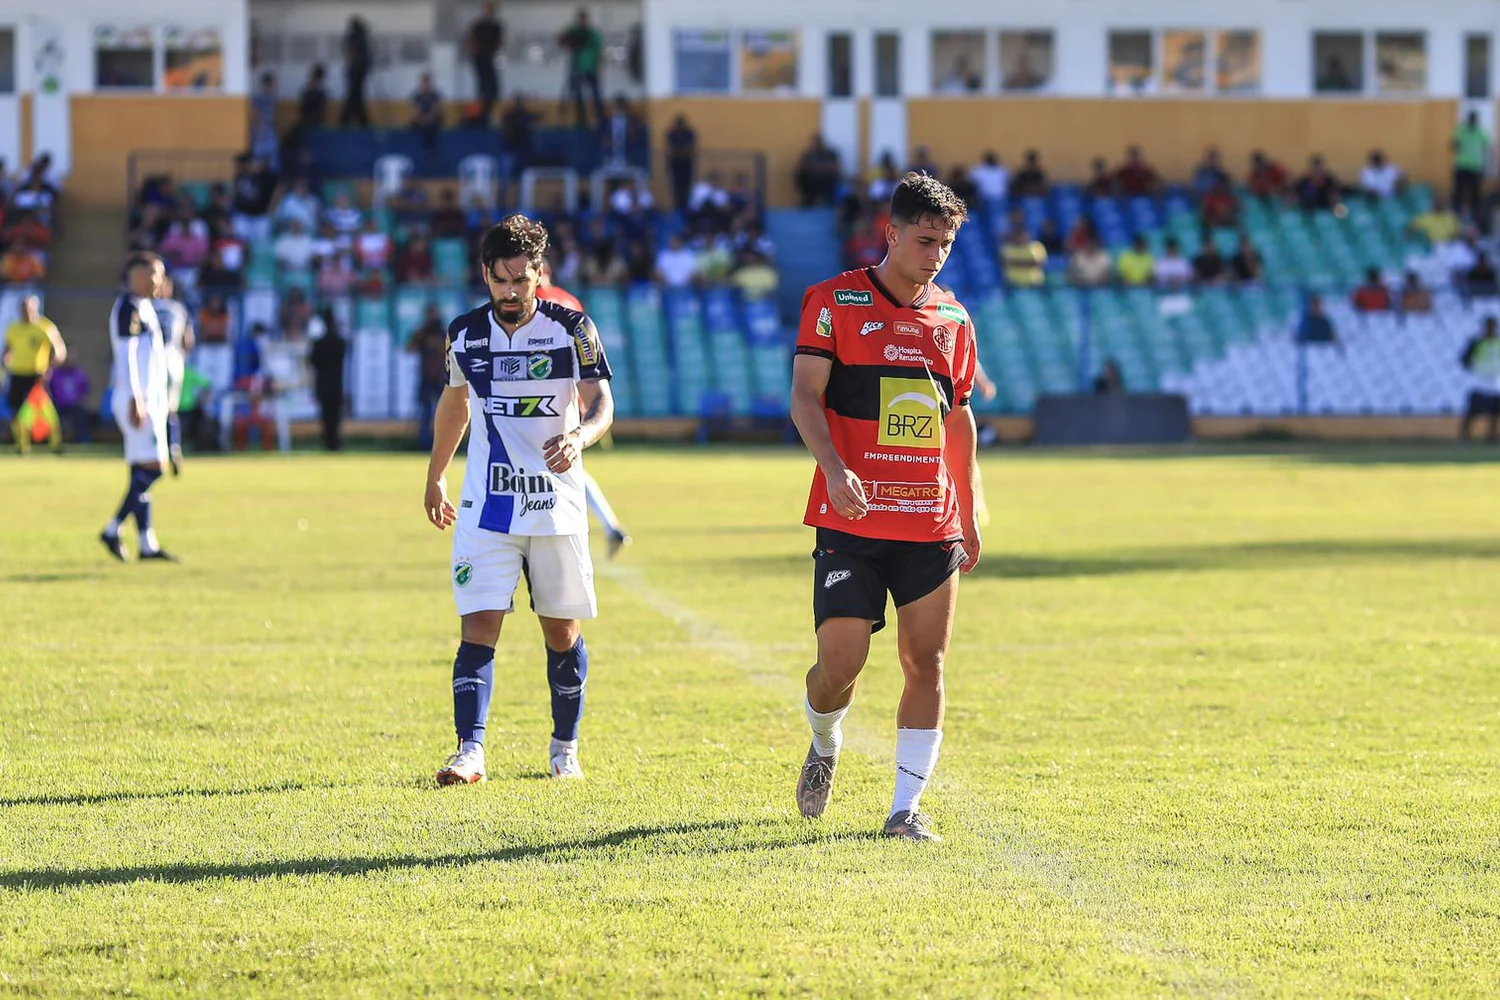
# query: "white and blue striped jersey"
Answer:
x=140 y=362
x=523 y=390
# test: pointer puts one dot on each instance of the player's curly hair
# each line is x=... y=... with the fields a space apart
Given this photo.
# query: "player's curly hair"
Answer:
x=922 y=194
x=514 y=236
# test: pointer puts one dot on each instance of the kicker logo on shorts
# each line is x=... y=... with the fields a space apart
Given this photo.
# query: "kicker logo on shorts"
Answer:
x=835 y=578
x=910 y=414
x=535 y=492
x=520 y=406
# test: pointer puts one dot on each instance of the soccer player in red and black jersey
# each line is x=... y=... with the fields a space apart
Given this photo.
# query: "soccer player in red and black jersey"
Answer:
x=880 y=393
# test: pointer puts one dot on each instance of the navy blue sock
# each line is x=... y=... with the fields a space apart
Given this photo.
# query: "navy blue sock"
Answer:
x=566 y=674
x=174 y=431
x=473 y=680
x=143 y=511
x=140 y=481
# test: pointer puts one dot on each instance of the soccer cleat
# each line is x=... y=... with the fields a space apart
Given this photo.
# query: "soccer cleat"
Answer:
x=160 y=554
x=911 y=826
x=175 y=459
x=464 y=767
x=112 y=545
x=617 y=541
x=565 y=765
x=815 y=784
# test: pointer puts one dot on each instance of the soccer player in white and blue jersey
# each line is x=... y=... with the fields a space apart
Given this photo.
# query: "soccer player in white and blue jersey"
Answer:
x=533 y=378
x=177 y=341
x=139 y=400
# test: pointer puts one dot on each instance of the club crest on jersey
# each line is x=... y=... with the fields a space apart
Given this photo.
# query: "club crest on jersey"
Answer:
x=825 y=322
x=463 y=573
x=871 y=327
x=853 y=297
x=943 y=338
x=539 y=366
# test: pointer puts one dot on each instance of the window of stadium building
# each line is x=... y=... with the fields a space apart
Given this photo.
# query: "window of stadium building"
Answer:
x=958 y=62
x=1237 y=62
x=124 y=58
x=1026 y=60
x=840 y=64
x=768 y=62
x=887 y=64
x=1338 y=62
x=1184 y=62
x=701 y=61
x=1401 y=63
x=194 y=59
x=1185 y=66
x=1477 y=67
x=7 y=60
x=1131 y=63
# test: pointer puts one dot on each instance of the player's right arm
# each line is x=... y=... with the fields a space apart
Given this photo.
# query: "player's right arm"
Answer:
x=448 y=426
x=811 y=369
x=130 y=333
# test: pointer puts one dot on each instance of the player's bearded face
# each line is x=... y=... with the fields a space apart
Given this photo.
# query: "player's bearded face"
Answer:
x=918 y=250
x=512 y=285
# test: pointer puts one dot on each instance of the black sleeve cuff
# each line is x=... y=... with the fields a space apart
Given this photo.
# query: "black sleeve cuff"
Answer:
x=815 y=352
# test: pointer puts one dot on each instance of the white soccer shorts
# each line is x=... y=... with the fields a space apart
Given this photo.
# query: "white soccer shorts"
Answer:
x=487 y=568
x=146 y=443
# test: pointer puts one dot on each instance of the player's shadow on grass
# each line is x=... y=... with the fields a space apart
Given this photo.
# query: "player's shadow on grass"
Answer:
x=73 y=577
x=662 y=840
x=104 y=798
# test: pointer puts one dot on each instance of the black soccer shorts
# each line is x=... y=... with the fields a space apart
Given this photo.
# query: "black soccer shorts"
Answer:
x=852 y=574
x=20 y=388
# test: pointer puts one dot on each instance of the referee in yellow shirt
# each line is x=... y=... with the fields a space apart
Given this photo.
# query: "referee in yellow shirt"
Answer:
x=32 y=347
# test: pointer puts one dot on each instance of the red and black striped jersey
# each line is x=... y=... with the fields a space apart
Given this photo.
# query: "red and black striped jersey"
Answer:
x=898 y=371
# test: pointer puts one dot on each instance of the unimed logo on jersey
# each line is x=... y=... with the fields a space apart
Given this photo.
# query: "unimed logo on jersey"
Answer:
x=910 y=414
x=521 y=406
x=853 y=297
x=535 y=492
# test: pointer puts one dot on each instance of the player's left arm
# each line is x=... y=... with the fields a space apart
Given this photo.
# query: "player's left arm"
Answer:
x=596 y=403
x=961 y=442
x=59 y=347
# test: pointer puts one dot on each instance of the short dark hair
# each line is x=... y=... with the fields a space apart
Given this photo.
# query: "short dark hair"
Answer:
x=141 y=258
x=922 y=194
x=514 y=236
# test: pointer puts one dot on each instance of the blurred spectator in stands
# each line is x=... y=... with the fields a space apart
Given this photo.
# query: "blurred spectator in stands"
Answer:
x=294 y=313
x=676 y=264
x=326 y=356
x=1439 y=224
x=7 y=183
x=1136 y=177
x=1481 y=359
x=1209 y=173
x=603 y=265
x=991 y=178
x=1267 y=179
x=517 y=129
x=1372 y=296
x=887 y=176
x=1136 y=266
x=1459 y=256
x=1245 y=266
x=312 y=103
x=149 y=229
x=1172 y=270
x=448 y=220
x=585 y=50
x=1220 y=208
x=358 y=58
x=482 y=44
x=372 y=247
x=1380 y=178
x=212 y=326
x=1416 y=298
x=219 y=212
x=414 y=262
x=709 y=203
x=1082 y=234
x=750 y=236
x=185 y=244
x=1315 y=327
x=28 y=227
x=294 y=248
x=682 y=161
x=429 y=342
x=623 y=136
x=22 y=265
x=1317 y=190
x=303 y=166
x=229 y=248
x=755 y=277
x=630 y=198
x=427 y=112
x=1090 y=267
x=35 y=196
x=1481 y=281
x=329 y=242
x=959 y=184
x=216 y=278
x=923 y=163
x=263 y=142
x=410 y=204
x=1051 y=240
x=1023 y=261
x=343 y=216
x=298 y=204
x=818 y=173
x=716 y=256
x=158 y=189
x=961 y=79
x=69 y=388
x=744 y=202
x=1210 y=267
x=640 y=262
x=866 y=246
x=1471 y=157
x=563 y=254
x=254 y=187
x=337 y=276
x=1109 y=380
x=1101 y=182
x=1031 y=179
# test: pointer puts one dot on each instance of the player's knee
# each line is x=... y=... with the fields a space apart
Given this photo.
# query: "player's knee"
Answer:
x=925 y=666
x=482 y=627
x=560 y=634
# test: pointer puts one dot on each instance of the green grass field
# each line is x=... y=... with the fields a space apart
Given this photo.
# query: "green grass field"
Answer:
x=1220 y=725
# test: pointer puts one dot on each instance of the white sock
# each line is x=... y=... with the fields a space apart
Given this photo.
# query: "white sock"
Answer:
x=600 y=506
x=149 y=542
x=563 y=746
x=465 y=746
x=916 y=756
x=112 y=529
x=827 y=728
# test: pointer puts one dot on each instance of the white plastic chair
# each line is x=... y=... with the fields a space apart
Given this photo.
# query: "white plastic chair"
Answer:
x=478 y=180
x=391 y=172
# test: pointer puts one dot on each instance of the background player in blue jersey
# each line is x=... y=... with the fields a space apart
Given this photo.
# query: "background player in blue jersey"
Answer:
x=533 y=378
x=177 y=341
x=139 y=400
